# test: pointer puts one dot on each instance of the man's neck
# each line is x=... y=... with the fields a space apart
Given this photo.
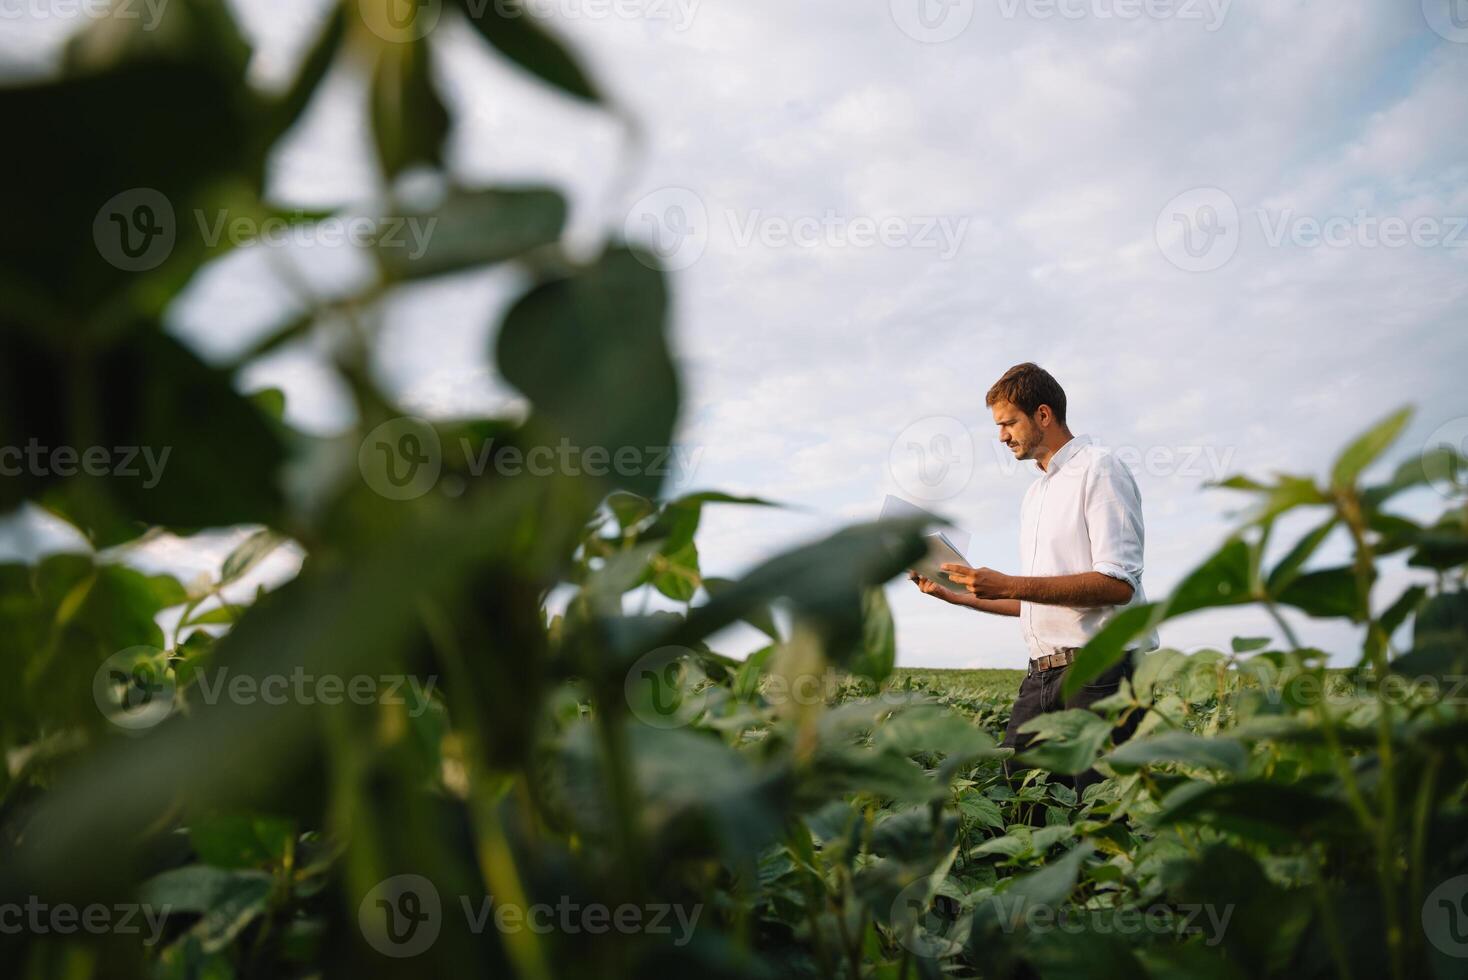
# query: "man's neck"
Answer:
x=1047 y=452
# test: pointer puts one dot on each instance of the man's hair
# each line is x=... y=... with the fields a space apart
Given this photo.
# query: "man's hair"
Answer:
x=1029 y=386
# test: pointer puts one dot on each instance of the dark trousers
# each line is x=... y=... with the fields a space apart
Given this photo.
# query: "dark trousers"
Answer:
x=1039 y=693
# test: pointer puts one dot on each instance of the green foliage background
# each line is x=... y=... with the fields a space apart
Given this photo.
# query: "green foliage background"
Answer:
x=549 y=762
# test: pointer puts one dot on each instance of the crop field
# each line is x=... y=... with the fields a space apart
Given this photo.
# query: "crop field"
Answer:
x=405 y=760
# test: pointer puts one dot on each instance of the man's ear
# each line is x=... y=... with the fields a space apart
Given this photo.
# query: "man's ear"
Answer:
x=1043 y=416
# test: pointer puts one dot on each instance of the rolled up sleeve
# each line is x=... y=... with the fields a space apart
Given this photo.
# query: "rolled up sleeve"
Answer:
x=1114 y=523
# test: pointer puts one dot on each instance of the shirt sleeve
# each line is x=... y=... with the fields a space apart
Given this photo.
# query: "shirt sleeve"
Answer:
x=1114 y=522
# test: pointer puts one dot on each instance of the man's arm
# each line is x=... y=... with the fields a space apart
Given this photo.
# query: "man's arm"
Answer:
x=998 y=607
x=1083 y=589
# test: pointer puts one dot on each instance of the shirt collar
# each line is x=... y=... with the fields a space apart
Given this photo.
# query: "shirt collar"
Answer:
x=1064 y=453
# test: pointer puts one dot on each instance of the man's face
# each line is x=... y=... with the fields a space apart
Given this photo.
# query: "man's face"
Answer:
x=1018 y=431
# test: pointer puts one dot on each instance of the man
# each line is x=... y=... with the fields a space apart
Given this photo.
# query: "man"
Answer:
x=1080 y=551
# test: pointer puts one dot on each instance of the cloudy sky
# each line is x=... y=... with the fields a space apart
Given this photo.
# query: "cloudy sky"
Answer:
x=1237 y=233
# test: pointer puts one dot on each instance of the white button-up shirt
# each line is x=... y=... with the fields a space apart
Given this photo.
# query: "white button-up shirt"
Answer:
x=1084 y=514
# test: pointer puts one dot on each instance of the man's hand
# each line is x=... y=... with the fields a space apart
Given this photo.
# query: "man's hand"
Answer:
x=981 y=583
x=929 y=587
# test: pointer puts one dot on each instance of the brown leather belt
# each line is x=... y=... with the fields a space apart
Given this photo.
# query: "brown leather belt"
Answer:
x=1053 y=661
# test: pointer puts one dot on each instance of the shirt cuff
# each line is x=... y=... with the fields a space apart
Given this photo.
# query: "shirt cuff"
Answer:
x=1114 y=570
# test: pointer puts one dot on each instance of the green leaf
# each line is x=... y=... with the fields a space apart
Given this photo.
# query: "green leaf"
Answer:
x=1408 y=603
x=1367 y=447
x=761 y=617
x=1442 y=462
x=1107 y=647
x=109 y=206
x=409 y=120
x=1179 y=747
x=1268 y=812
x=249 y=553
x=591 y=354
x=877 y=654
x=979 y=809
x=1329 y=592
x=514 y=33
x=236 y=840
x=1284 y=573
x=678 y=577
x=1222 y=580
x=227 y=900
x=470 y=229
x=1285 y=494
x=629 y=508
x=285 y=111
x=1071 y=740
